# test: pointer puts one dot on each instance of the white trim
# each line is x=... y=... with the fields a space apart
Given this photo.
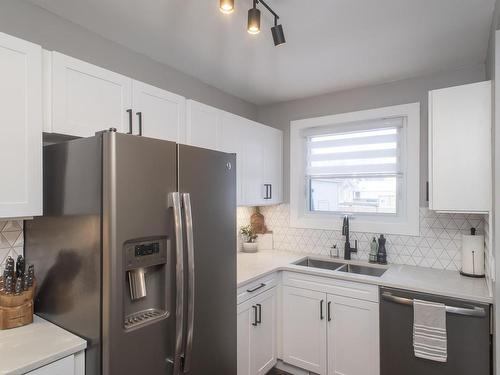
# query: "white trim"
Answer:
x=408 y=222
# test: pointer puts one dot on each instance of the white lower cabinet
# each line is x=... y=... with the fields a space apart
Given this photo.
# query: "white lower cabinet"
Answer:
x=330 y=334
x=304 y=329
x=71 y=365
x=353 y=336
x=257 y=334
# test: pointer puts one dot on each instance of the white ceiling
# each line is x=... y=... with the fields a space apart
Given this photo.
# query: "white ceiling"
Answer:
x=331 y=44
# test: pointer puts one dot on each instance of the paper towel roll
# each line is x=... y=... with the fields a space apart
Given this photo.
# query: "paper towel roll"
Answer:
x=473 y=255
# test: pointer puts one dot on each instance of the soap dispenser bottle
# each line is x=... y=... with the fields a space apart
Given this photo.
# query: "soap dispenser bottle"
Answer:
x=382 y=253
x=373 y=251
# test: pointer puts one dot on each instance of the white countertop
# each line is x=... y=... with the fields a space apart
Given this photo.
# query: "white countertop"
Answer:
x=418 y=279
x=29 y=347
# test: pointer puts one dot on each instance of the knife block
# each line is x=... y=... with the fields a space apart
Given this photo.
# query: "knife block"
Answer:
x=17 y=310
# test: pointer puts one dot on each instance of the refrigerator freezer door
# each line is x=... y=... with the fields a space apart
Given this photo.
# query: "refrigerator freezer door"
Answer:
x=138 y=175
x=210 y=179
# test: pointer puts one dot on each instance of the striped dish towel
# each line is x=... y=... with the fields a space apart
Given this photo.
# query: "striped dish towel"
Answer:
x=429 y=330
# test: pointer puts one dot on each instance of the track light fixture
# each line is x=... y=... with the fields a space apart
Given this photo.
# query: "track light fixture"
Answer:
x=253 y=23
x=278 y=34
x=226 y=6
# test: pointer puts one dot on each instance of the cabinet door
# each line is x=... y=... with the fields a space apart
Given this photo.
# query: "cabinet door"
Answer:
x=244 y=324
x=233 y=132
x=263 y=335
x=21 y=129
x=202 y=125
x=353 y=336
x=86 y=98
x=304 y=329
x=161 y=113
x=460 y=148
x=273 y=157
x=65 y=366
x=254 y=165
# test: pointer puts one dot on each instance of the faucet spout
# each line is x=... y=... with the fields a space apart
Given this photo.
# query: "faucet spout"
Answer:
x=347 y=247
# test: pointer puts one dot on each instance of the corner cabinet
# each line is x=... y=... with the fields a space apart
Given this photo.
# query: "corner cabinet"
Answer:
x=257 y=348
x=460 y=148
x=82 y=99
x=21 y=129
x=258 y=148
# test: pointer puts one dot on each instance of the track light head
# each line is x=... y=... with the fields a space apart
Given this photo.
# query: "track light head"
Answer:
x=278 y=34
x=226 y=6
x=253 y=26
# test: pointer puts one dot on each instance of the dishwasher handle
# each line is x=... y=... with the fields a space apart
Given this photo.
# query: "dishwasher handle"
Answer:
x=467 y=311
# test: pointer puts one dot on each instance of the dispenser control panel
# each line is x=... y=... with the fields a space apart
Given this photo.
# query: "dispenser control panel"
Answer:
x=145 y=252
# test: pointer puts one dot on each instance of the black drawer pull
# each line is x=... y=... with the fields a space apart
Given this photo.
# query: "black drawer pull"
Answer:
x=129 y=111
x=321 y=316
x=262 y=285
x=329 y=308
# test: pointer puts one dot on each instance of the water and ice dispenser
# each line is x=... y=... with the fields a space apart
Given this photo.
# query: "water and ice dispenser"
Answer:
x=146 y=273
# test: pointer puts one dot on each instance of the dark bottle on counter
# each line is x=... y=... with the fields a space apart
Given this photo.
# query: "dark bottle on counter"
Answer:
x=382 y=253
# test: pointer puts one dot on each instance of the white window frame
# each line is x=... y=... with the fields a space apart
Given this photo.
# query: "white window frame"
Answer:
x=406 y=222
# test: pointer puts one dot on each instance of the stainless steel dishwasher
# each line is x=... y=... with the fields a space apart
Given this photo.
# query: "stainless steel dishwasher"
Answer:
x=468 y=335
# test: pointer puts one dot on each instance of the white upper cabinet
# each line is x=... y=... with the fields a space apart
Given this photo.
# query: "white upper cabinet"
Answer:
x=21 y=128
x=85 y=98
x=159 y=113
x=263 y=166
x=460 y=148
x=258 y=150
x=203 y=125
x=233 y=130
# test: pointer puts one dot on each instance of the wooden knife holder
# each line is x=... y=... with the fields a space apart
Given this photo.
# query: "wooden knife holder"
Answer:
x=17 y=310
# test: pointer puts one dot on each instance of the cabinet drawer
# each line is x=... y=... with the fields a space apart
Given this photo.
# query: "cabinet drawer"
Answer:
x=65 y=366
x=256 y=287
x=338 y=287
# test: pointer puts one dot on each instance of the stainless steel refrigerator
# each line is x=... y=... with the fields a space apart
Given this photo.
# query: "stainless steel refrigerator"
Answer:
x=136 y=253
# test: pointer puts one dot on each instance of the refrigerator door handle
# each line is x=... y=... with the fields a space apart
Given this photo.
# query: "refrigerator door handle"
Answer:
x=191 y=280
x=174 y=201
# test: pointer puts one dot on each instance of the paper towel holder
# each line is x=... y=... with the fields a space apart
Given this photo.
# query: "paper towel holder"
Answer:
x=473 y=255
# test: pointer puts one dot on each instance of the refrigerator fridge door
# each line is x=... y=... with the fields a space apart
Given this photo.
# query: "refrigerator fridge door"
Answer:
x=209 y=179
x=138 y=243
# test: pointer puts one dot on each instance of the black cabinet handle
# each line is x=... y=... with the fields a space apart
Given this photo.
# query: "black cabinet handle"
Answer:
x=139 y=114
x=321 y=310
x=254 y=316
x=269 y=191
x=259 y=321
x=129 y=111
x=329 y=308
x=262 y=285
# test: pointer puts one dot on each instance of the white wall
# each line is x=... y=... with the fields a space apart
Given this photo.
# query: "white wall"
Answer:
x=392 y=93
x=30 y=22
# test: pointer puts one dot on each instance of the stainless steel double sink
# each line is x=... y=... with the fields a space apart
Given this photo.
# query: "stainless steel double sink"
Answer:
x=342 y=267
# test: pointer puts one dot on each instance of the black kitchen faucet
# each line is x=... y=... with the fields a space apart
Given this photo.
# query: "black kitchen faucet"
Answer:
x=345 y=232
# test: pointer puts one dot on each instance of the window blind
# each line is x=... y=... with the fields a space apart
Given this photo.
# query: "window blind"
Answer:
x=371 y=149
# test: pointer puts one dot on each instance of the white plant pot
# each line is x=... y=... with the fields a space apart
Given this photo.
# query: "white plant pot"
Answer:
x=250 y=247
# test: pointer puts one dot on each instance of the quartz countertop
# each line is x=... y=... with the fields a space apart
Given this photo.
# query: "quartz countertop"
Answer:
x=35 y=345
x=418 y=279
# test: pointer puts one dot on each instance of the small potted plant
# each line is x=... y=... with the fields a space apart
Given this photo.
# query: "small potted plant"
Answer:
x=248 y=237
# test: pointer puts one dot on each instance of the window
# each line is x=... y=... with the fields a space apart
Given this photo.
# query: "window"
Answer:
x=355 y=171
x=365 y=164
